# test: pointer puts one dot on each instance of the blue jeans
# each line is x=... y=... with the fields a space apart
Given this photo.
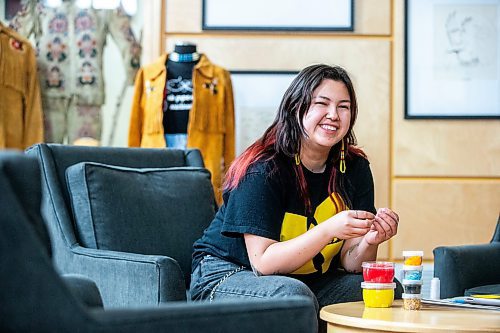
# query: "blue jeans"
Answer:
x=217 y=279
x=177 y=141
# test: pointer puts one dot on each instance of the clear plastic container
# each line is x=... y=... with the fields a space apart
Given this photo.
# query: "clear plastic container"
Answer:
x=412 y=301
x=412 y=272
x=412 y=286
x=413 y=258
x=378 y=295
x=378 y=271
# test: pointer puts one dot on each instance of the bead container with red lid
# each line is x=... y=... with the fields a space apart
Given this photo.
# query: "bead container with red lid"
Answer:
x=378 y=271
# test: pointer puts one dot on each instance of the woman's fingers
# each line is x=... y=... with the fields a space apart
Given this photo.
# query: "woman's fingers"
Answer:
x=356 y=232
x=389 y=213
x=361 y=215
x=388 y=223
x=383 y=226
x=364 y=224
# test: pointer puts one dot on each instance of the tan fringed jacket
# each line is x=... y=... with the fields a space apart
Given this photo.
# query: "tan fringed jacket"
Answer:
x=211 y=119
x=21 y=119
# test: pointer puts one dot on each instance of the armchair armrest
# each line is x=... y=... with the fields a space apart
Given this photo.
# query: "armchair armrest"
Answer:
x=129 y=279
x=84 y=289
x=291 y=315
x=466 y=266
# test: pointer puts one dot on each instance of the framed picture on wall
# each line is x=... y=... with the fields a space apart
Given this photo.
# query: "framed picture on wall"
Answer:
x=316 y=15
x=12 y=7
x=257 y=96
x=452 y=59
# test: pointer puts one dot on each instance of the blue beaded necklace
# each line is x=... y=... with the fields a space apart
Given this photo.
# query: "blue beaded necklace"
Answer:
x=184 y=57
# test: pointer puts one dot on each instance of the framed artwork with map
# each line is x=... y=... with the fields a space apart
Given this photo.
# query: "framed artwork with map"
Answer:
x=452 y=59
x=257 y=96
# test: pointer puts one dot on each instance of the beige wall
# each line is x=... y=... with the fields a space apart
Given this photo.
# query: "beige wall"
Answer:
x=430 y=172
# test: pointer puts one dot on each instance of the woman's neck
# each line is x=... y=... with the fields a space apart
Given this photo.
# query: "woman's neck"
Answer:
x=313 y=161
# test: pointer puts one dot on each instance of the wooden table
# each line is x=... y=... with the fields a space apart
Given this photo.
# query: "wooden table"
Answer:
x=354 y=317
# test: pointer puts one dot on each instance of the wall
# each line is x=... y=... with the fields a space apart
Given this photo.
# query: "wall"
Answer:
x=442 y=177
x=445 y=180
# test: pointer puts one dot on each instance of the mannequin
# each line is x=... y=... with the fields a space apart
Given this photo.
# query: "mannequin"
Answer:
x=179 y=94
x=70 y=40
x=197 y=110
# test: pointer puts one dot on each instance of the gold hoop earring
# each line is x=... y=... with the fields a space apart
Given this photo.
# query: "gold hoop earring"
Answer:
x=297 y=159
x=342 y=158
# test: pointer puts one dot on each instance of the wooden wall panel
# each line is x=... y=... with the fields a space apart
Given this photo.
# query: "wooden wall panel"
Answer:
x=183 y=16
x=152 y=35
x=465 y=148
x=444 y=212
x=371 y=17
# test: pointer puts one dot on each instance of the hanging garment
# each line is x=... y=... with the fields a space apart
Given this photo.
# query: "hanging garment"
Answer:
x=21 y=123
x=211 y=119
x=70 y=43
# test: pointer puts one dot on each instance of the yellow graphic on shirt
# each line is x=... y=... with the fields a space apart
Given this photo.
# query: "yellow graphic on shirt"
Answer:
x=295 y=225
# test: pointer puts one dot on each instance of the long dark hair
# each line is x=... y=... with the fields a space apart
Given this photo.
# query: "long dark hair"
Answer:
x=283 y=137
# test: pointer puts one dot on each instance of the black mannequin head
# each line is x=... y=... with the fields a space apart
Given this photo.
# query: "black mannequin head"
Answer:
x=184 y=52
x=184 y=48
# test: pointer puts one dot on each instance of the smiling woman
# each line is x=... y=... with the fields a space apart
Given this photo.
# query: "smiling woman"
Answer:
x=298 y=214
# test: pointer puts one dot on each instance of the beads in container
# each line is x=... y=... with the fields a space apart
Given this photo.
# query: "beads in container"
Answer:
x=413 y=258
x=412 y=272
x=378 y=271
x=378 y=295
x=412 y=301
x=412 y=287
x=412 y=279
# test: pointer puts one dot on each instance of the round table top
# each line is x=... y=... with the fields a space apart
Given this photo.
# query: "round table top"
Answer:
x=430 y=318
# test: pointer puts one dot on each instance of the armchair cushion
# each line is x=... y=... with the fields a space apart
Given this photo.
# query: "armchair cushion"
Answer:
x=467 y=266
x=489 y=289
x=127 y=209
x=84 y=290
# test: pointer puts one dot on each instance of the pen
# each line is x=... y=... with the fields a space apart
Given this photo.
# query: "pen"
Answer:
x=459 y=301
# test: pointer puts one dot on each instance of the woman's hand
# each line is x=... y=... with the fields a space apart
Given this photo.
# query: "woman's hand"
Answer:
x=383 y=228
x=351 y=223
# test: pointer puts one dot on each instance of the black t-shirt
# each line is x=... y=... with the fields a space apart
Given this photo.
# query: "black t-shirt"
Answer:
x=267 y=203
x=178 y=97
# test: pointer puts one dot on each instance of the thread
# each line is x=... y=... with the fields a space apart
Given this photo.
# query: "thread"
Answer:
x=435 y=289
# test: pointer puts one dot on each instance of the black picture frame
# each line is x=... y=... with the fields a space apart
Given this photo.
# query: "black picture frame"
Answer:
x=269 y=15
x=257 y=95
x=450 y=72
x=12 y=7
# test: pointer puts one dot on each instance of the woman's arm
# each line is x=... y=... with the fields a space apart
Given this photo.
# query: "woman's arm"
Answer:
x=354 y=252
x=268 y=256
x=357 y=250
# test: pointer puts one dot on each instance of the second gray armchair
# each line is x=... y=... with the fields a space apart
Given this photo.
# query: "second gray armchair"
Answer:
x=469 y=269
x=125 y=217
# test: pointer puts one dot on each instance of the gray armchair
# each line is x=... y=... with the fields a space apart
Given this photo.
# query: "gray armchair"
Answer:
x=469 y=269
x=33 y=297
x=125 y=217
x=23 y=178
